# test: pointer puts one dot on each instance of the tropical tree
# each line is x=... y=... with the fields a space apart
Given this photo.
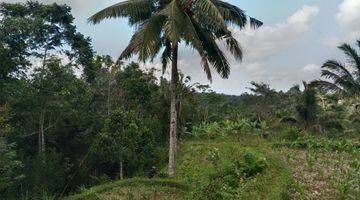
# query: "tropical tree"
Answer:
x=10 y=165
x=162 y=24
x=307 y=109
x=36 y=31
x=342 y=78
x=267 y=101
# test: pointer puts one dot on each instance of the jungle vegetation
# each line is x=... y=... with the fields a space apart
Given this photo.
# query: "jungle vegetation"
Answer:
x=63 y=132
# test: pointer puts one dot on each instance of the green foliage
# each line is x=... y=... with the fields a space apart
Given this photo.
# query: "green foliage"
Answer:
x=311 y=142
x=253 y=164
x=340 y=78
x=307 y=108
x=226 y=180
x=233 y=175
x=119 y=113
x=135 y=186
x=10 y=165
x=288 y=133
x=45 y=174
x=34 y=29
x=206 y=130
x=166 y=23
x=211 y=169
x=125 y=138
x=137 y=87
x=225 y=128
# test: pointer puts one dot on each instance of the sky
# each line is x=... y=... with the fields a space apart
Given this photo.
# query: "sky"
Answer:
x=296 y=38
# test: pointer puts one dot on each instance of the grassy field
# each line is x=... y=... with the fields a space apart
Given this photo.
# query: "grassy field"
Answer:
x=324 y=169
x=195 y=166
x=206 y=169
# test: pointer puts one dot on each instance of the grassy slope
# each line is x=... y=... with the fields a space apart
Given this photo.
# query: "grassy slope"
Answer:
x=192 y=170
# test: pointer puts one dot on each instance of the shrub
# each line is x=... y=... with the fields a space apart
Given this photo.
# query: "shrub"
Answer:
x=10 y=168
x=45 y=174
x=311 y=142
x=220 y=129
x=253 y=164
x=207 y=130
x=226 y=180
x=291 y=133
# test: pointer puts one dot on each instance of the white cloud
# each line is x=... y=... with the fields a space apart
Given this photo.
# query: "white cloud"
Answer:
x=256 y=70
x=303 y=16
x=263 y=44
x=349 y=14
x=331 y=41
x=348 y=18
x=311 y=68
x=270 y=40
x=253 y=66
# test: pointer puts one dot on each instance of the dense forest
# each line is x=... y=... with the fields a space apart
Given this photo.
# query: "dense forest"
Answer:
x=71 y=119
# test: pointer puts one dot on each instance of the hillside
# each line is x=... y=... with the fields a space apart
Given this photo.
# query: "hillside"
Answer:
x=196 y=166
x=248 y=167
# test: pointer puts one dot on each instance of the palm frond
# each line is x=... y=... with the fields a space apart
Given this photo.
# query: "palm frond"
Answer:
x=234 y=47
x=344 y=82
x=330 y=75
x=254 y=23
x=136 y=10
x=174 y=22
x=338 y=67
x=166 y=56
x=214 y=54
x=208 y=8
x=191 y=37
x=178 y=26
x=352 y=54
x=146 y=42
x=199 y=23
x=327 y=86
x=231 y=13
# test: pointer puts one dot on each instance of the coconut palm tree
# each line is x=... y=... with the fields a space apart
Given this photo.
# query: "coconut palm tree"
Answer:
x=307 y=107
x=161 y=25
x=342 y=78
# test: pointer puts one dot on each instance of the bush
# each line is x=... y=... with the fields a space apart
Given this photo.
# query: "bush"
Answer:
x=311 y=142
x=207 y=130
x=226 y=180
x=253 y=164
x=291 y=133
x=223 y=128
x=44 y=174
x=10 y=168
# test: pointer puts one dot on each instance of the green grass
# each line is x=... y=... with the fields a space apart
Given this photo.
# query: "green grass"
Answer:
x=193 y=168
x=135 y=187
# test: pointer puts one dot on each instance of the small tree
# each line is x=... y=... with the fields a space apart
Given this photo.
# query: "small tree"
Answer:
x=116 y=143
x=307 y=109
x=8 y=158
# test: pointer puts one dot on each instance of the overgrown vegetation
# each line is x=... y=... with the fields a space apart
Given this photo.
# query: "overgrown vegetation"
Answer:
x=62 y=133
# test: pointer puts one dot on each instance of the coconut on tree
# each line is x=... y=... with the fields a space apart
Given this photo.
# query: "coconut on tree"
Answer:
x=161 y=25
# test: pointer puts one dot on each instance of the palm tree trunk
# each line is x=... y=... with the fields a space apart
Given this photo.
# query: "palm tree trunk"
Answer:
x=173 y=111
